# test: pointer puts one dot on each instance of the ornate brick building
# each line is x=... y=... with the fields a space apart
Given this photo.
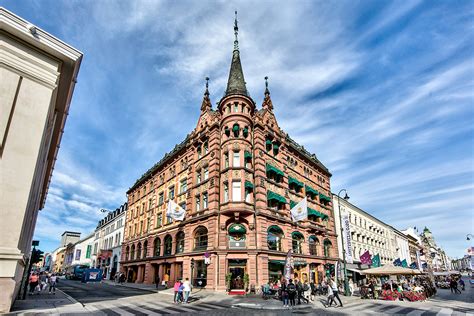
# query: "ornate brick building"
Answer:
x=237 y=174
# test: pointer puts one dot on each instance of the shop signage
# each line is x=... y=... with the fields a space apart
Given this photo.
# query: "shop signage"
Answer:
x=346 y=234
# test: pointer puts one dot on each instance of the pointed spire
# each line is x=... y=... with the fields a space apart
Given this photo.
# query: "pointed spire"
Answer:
x=236 y=82
x=267 y=102
x=206 y=101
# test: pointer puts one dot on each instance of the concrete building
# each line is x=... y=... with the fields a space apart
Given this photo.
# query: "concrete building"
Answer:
x=436 y=258
x=400 y=242
x=414 y=245
x=108 y=238
x=69 y=238
x=237 y=174
x=83 y=251
x=38 y=73
x=367 y=233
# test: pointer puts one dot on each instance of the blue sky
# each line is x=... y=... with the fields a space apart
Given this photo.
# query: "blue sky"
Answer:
x=381 y=91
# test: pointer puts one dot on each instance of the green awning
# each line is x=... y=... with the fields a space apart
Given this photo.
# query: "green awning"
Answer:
x=245 y=131
x=275 y=170
x=237 y=229
x=235 y=128
x=277 y=197
x=295 y=182
x=325 y=198
x=275 y=229
x=279 y=262
x=247 y=155
x=292 y=204
x=268 y=142
x=324 y=217
x=296 y=235
x=311 y=191
x=315 y=213
x=248 y=185
x=276 y=145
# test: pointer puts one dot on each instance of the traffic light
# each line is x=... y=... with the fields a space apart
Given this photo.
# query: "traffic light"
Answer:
x=36 y=255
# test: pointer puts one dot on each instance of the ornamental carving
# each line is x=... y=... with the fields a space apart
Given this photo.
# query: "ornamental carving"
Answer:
x=236 y=174
x=211 y=182
x=275 y=189
x=248 y=176
x=236 y=147
x=262 y=181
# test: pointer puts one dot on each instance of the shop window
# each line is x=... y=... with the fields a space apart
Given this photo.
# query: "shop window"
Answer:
x=200 y=238
x=180 y=242
x=274 y=236
x=157 y=247
x=313 y=245
x=327 y=248
x=168 y=243
x=296 y=242
x=200 y=274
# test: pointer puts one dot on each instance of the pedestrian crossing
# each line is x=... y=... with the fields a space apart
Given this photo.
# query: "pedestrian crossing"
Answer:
x=153 y=308
x=382 y=309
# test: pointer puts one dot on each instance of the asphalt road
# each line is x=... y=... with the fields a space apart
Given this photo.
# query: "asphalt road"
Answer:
x=96 y=292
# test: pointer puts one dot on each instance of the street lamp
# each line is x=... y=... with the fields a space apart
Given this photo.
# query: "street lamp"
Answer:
x=103 y=210
x=346 y=282
x=469 y=236
x=192 y=268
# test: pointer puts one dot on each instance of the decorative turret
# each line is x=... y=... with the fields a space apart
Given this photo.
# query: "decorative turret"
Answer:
x=206 y=101
x=267 y=102
x=236 y=82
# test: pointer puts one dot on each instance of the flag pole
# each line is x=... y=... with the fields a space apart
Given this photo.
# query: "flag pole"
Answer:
x=346 y=282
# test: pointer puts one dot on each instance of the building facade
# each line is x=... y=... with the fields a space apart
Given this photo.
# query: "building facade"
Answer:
x=414 y=246
x=367 y=234
x=83 y=251
x=435 y=256
x=38 y=73
x=108 y=238
x=400 y=242
x=236 y=174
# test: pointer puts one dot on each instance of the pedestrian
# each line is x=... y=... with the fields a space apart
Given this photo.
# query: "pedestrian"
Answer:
x=335 y=290
x=157 y=281
x=186 y=290
x=313 y=290
x=177 y=284
x=291 y=293
x=462 y=284
x=351 y=286
x=301 y=288
x=284 y=293
x=180 y=292
x=52 y=283
x=43 y=281
x=330 y=298
x=33 y=281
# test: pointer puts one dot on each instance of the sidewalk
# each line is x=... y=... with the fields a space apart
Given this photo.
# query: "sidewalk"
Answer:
x=139 y=286
x=59 y=303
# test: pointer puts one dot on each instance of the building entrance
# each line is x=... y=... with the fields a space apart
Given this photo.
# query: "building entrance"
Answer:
x=237 y=269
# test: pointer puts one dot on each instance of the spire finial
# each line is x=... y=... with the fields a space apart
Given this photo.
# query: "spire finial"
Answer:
x=236 y=32
x=266 y=86
x=207 y=87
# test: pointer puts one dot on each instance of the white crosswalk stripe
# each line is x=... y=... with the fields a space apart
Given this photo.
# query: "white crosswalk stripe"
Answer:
x=445 y=312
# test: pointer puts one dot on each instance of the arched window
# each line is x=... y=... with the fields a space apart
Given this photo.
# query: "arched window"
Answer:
x=236 y=129
x=200 y=238
x=132 y=252
x=313 y=245
x=274 y=237
x=327 y=248
x=180 y=242
x=145 y=249
x=157 y=247
x=168 y=245
x=139 y=250
x=237 y=235
x=296 y=241
x=127 y=253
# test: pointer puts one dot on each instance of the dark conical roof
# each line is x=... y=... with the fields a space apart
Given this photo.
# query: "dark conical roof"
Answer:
x=236 y=82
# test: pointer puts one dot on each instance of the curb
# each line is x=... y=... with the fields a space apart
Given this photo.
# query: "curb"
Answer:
x=69 y=297
x=267 y=307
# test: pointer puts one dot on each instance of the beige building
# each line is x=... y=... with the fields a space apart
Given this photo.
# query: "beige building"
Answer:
x=37 y=77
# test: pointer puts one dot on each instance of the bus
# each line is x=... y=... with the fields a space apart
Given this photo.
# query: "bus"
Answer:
x=75 y=271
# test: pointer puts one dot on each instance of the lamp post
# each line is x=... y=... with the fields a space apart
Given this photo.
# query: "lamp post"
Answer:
x=192 y=268
x=346 y=283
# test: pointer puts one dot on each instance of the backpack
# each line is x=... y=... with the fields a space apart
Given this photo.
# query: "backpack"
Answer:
x=291 y=288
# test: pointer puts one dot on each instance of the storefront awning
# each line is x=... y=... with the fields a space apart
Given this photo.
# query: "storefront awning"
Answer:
x=247 y=155
x=274 y=196
x=324 y=198
x=311 y=191
x=280 y=262
x=315 y=213
x=248 y=185
x=275 y=170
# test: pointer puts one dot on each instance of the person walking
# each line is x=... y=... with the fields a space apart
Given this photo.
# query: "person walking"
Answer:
x=330 y=298
x=335 y=291
x=52 y=283
x=176 y=286
x=284 y=293
x=43 y=281
x=462 y=284
x=33 y=282
x=180 y=292
x=291 y=293
x=186 y=290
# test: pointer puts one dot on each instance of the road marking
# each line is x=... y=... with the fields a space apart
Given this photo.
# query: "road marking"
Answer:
x=445 y=311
